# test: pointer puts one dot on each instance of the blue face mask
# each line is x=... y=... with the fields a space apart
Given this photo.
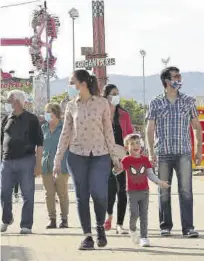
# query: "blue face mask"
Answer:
x=176 y=84
x=47 y=116
x=73 y=91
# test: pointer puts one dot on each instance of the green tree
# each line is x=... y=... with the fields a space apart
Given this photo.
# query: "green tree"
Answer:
x=59 y=98
x=135 y=109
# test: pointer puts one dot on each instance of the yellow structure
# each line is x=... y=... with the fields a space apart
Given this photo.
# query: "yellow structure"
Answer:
x=200 y=108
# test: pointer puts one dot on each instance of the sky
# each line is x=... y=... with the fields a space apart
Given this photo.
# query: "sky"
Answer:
x=162 y=28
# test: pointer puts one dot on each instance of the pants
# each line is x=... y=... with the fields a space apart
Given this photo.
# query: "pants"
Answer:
x=18 y=171
x=61 y=188
x=117 y=185
x=182 y=164
x=138 y=207
x=90 y=176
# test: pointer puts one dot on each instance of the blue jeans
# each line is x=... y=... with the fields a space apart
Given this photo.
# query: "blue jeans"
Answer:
x=19 y=171
x=182 y=164
x=90 y=176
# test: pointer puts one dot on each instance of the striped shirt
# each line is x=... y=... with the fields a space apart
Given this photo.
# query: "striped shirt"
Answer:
x=172 y=123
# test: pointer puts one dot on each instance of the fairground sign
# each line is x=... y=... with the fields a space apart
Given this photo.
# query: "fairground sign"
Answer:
x=95 y=62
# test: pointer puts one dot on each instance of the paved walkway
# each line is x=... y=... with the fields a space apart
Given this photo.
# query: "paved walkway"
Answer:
x=61 y=245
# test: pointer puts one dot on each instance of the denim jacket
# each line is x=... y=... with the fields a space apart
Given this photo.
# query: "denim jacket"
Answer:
x=50 y=147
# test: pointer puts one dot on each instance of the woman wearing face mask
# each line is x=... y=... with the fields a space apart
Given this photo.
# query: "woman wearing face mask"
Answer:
x=51 y=132
x=88 y=132
x=117 y=184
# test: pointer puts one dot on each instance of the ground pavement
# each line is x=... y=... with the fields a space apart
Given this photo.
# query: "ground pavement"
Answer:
x=61 y=245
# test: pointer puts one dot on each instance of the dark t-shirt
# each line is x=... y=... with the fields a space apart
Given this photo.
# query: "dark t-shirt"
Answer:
x=20 y=135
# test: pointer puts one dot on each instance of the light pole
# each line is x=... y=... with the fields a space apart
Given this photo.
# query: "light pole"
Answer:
x=143 y=54
x=74 y=13
x=165 y=61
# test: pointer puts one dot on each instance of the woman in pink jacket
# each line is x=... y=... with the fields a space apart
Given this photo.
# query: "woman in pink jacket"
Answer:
x=117 y=184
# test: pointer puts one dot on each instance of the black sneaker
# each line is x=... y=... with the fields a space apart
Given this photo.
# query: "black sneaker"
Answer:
x=87 y=244
x=63 y=224
x=165 y=233
x=52 y=224
x=101 y=236
x=191 y=233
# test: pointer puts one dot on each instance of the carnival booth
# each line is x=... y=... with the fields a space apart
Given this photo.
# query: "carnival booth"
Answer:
x=200 y=109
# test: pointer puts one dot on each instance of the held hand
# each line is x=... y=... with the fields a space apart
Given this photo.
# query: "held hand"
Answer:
x=118 y=168
x=164 y=184
x=198 y=158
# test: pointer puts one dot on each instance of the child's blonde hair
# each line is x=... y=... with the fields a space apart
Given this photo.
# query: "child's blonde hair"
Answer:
x=130 y=137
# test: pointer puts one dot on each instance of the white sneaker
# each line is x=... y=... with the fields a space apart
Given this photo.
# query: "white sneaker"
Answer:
x=5 y=226
x=120 y=230
x=133 y=236
x=16 y=197
x=144 y=242
x=25 y=231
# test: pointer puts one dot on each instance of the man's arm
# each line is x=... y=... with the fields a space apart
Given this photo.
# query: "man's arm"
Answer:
x=198 y=133
x=150 y=137
x=151 y=117
x=39 y=147
x=3 y=123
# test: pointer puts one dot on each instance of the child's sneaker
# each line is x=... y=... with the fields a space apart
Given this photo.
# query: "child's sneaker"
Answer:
x=133 y=236
x=120 y=230
x=144 y=242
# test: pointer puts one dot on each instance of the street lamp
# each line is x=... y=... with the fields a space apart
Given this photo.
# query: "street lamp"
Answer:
x=143 y=54
x=74 y=13
x=165 y=61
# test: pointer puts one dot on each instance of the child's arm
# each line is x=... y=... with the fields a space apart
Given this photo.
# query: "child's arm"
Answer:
x=151 y=175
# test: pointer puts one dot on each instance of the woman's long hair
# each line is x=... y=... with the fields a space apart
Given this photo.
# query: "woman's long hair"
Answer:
x=90 y=80
x=106 y=92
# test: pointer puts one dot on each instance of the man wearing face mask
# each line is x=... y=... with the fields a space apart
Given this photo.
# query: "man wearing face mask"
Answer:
x=122 y=126
x=21 y=141
x=170 y=116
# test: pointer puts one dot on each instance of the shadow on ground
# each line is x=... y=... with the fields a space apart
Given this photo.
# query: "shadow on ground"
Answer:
x=163 y=252
x=16 y=253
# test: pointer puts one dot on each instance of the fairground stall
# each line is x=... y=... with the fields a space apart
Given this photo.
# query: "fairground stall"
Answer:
x=10 y=82
x=200 y=109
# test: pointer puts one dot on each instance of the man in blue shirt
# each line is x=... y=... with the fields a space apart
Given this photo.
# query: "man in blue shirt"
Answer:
x=169 y=119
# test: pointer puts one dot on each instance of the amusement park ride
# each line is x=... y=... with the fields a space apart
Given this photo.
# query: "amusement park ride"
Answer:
x=44 y=67
x=41 y=21
x=96 y=56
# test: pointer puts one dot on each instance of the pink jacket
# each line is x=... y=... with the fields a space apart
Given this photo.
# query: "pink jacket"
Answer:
x=125 y=123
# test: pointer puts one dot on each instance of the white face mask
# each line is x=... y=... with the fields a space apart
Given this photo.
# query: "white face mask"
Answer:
x=115 y=100
x=8 y=107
